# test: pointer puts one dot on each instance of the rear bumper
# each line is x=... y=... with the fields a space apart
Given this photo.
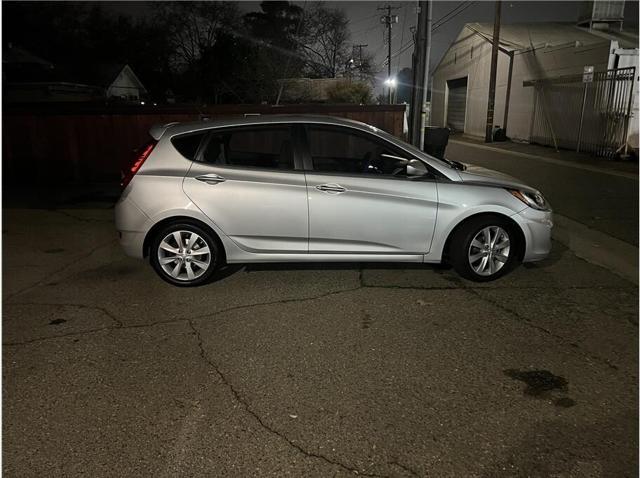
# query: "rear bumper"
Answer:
x=130 y=224
x=536 y=226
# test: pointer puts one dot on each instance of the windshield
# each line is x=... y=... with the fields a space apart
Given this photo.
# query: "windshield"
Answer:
x=412 y=149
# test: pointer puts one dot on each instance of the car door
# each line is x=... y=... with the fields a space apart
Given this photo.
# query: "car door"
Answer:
x=360 y=200
x=245 y=180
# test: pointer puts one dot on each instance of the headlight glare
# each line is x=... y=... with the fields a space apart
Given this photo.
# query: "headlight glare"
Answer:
x=534 y=200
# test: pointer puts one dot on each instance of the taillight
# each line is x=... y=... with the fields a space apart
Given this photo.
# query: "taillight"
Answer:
x=140 y=155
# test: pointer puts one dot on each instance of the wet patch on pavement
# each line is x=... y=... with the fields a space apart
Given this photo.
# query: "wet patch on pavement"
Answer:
x=538 y=381
x=541 y=383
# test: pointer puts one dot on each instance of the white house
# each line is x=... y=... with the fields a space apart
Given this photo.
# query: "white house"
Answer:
x=124 y=84
x=540 y=91
x=28 y=78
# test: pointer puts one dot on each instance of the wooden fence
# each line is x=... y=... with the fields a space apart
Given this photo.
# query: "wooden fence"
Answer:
x=79 y=143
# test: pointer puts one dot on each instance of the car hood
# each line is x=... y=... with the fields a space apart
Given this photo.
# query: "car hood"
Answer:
x=480 y=175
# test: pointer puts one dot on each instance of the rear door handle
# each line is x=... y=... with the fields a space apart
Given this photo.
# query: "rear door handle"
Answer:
x=331 y=188
x=211 y=178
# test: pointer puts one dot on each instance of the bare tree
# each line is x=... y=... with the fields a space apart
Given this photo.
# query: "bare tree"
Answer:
x=326 y=44
x=194 y=27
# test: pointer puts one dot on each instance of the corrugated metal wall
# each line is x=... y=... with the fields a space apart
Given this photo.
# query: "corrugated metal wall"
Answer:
x=590 y=117
x=457 y=104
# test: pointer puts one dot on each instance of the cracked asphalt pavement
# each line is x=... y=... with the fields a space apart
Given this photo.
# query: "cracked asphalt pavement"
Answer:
x=308 y=370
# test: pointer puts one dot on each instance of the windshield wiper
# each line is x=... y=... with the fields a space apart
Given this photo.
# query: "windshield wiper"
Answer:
x=457 y=165
x=454 y=164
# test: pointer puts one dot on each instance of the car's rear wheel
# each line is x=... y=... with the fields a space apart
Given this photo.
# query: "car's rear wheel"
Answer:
x=485 y=248
x=184 y=254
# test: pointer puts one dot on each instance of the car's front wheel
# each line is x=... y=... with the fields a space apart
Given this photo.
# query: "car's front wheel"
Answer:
x=184 y=254
x=485 y=248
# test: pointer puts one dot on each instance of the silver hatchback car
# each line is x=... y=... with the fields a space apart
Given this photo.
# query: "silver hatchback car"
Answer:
x=322 y=189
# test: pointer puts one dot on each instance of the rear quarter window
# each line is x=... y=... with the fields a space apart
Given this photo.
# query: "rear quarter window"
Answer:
x=188 y=144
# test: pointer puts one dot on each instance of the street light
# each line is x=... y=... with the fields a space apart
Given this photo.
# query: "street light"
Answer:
x=391 y=84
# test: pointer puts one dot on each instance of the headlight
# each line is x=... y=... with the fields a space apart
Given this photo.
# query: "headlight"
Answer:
x=534 y=200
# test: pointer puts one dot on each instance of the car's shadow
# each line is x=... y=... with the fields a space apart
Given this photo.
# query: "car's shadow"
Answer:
x=230 y=269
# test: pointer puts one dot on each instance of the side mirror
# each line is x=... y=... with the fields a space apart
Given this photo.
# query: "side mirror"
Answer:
x=415 y=167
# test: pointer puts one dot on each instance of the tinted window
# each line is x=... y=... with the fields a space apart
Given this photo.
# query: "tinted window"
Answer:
x=264 y=147
x=336 y=150
x=187 y=144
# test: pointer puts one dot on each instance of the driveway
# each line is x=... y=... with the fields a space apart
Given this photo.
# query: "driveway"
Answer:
x=320 y=370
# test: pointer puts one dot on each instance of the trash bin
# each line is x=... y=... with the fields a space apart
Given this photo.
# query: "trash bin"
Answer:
x=435 y=141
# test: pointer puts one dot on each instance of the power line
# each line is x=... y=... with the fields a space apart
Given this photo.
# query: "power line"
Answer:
x=366 y=30
x=404 y=25
x=375 y=15
x=443 y=20
x=449 y=13
x=469 y=4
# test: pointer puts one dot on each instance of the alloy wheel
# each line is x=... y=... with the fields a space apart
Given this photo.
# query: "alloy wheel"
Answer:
x=184 y=255
x=489 y=250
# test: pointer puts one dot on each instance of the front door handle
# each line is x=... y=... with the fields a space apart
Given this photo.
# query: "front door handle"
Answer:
x=331 y=188
x=211 y=178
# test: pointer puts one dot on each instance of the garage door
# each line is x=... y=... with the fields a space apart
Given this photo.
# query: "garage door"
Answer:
x=457 y=104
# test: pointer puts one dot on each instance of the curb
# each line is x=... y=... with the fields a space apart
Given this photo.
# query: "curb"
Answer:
x=559 y=162
x=598 y=248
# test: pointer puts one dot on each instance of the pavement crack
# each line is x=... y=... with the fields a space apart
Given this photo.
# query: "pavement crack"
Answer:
x=60 y=270
x=240 y=399
x=273 y=302
x=60 y=336
x=510 y=312
x=406 y=468
x=118 y=323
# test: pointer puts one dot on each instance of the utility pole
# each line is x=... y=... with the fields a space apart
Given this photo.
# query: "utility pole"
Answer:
x=359 y=47
x=421 y=59
x=389 y=20
x=488 y=136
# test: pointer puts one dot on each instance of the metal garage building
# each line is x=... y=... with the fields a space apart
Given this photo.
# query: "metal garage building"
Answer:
x=540 y=91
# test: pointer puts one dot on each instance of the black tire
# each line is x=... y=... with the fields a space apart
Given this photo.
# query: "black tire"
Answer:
x=207 y=238
x=460 y=245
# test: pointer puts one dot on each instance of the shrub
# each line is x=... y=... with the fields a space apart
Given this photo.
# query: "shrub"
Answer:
x=350 y=92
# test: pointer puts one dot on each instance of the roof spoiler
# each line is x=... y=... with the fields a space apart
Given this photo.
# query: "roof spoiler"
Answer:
x=157 y=130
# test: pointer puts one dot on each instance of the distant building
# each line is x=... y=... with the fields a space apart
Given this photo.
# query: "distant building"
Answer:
x=28 y=78
x=542 y=85
x=117 y=81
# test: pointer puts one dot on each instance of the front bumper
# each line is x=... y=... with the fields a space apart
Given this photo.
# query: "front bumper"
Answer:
x=536 y=226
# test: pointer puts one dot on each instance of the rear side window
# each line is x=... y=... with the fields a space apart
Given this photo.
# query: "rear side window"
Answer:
x=187 y=144
x=267 y=147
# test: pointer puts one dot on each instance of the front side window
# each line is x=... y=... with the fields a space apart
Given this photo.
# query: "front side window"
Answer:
x=266 y=147
x=338 y=150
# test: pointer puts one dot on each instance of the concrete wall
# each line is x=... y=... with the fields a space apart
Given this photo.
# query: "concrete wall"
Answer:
x=470 y=56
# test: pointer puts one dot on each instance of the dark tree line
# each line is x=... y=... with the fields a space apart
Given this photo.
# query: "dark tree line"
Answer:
x=209 y=52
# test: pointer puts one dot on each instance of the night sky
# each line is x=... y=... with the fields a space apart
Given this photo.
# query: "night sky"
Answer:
x=367 y=29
